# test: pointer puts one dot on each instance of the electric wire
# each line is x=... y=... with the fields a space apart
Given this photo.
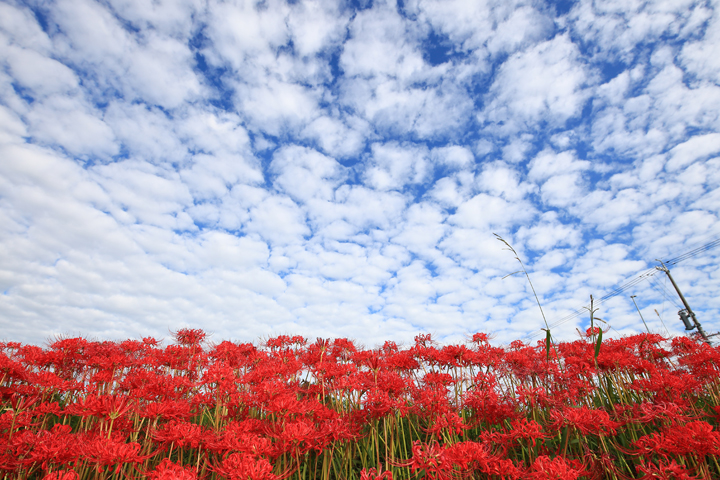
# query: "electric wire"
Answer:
x=647 y=275
x=661 y=288
x=631 y=283
x=692 y=253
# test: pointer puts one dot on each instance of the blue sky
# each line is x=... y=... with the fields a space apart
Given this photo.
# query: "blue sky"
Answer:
x=338 y=169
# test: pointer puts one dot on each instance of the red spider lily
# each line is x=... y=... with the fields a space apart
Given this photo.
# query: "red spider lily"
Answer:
x=107 y=406
x=167 y=470
x=62 y=475
x=45 y=408
x=485 y=403
x=167 y=409
x=242 y=466
x=182 y=434
x=298 y=437
x=665 y=470
x=590 y=332
x=423 y=340
x=601 y=465
x=232 y=355
x=528 y=429
x=190 y=337
x=20 y=403
x=439 y=462
x=587 y=421
x=58 y=447
x=403 y=361
x=447 y=421
x=435 y=379
x=260 y=409
x=472 y=457
x=668 y=386
x=429 y=457
x=480 y=338
x=379 y=404
x=155 y=386
x=534 y=397
x=285 y=341
x=243 y=442
x=558 y=468
x=103 y=451
x=11 y=370
x=695 y=438
x=666 y=412
x=372 y=359
x=373 y=474
x=341 y=429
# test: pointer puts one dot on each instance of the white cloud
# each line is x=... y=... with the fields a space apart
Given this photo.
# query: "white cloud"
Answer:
x=616 y=27
x=146 y=194
x=172 y=18
x=43 y=76
x=563 y=190
x=72 y=125
x=145 y=132
x=277 y=106
x=604 y=265
x=548 y=164
x=160 y=73
x=500 y=179
x=278 y=220
x=20 y=28
x=469 y=25
x=212 y=176
x=152 y=67
x=303 y=173
x=453 y=156
x=315 y=25
x=517 y=148
x=380 y=46
x=550 y=233
x=173 y=163
x=524 y=27
x=453 y=190
x=241 y=32
x=543 y=83
x=394 y=166
x=693 y=149
x=394 y=88
x=337 y=138
x=221 y=250
x=423 y=230
x=698 y=56
x=485 y=212
x=363 y=208
x=12 y=128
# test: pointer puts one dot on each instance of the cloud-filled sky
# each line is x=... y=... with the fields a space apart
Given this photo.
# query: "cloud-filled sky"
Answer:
x=338 y=168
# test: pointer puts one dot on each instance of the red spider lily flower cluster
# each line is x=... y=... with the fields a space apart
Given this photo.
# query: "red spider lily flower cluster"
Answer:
x=637 y=407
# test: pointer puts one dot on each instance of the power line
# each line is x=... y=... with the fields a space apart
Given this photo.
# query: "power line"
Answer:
x=647 y=275
x=662 y=290
x=600 y=301
x=692 y=253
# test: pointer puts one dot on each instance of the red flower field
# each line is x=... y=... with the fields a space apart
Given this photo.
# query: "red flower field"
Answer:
x=638 y=407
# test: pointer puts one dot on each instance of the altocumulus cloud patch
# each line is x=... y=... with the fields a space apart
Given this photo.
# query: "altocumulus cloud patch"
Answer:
x=338 y=169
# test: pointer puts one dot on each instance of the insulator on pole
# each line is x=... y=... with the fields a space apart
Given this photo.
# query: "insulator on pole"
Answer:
x=686 y=320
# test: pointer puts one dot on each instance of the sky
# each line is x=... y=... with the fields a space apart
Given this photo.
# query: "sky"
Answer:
x=339 y=169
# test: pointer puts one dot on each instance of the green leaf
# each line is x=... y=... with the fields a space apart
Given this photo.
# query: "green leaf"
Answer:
x=597 y=345
x=547 y=344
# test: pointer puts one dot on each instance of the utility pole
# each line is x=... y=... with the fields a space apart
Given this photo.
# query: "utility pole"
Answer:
x=641 y=317
x=689 y=311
